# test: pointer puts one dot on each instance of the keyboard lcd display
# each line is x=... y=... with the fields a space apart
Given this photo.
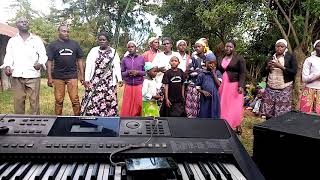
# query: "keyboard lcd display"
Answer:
x=152 y=163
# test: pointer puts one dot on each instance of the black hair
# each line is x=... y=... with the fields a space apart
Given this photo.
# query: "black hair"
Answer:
x=62 y=24
x=232 y=42
x=103 y=33
x=167 y=39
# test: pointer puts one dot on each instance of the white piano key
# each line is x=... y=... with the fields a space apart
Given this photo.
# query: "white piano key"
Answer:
x=21 y=168
x=14 y=168
x=196 y=176
x=106 y=171
x=65 y=174
x=30 y=172
x=76 y=175
x=233 y=169
x=7 y=170
x=32 y=177
x=183 y=172
x=61 y=171
x=46 y=175
x=209 y=171
x=220 y=172
x=117 y=173
x=89 y=172
x=199 y=172
x=100 y=172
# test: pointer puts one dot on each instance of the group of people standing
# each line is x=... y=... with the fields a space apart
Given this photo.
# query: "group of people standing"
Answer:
x=156 y=83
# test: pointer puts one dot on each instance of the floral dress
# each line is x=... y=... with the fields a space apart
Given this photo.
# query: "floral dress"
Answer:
x=100 y=99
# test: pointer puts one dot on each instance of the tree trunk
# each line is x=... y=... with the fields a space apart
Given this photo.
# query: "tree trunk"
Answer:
x=297 y=88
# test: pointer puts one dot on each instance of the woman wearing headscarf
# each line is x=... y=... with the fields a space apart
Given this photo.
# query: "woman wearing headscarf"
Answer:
x=132 y=70
x=185 y=57
x=195 y=68
x=280 y=71
x=154 y=45
x=233 y=69
x=310 y=98
x=101 y=76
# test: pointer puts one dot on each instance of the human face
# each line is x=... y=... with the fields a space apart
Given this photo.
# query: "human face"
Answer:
x=174 y=62
x=199 y=48
x=280 y=48
x=103 y=42
x=229 y=48
x=152 y=73
x=131 y=48
x=23 y=24
x=155 y=44
x=167 y=46
x=182 y=47
x=64 y=32
x=317 y=48
x=210 y=65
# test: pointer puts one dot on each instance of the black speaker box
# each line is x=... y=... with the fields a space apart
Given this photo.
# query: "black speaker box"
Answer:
x=288 y=147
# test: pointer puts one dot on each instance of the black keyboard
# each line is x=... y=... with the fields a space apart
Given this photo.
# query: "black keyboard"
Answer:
x=50 y=147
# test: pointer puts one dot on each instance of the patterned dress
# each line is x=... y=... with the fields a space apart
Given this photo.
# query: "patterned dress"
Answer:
x=101 y=98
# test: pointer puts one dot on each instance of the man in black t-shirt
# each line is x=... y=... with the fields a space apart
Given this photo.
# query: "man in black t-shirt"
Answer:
x=66 y=57
x=173 y=80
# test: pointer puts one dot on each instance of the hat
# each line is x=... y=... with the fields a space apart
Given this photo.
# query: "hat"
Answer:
x=282 y=41
x=148 y=66
x=132 y=42
x=181 y=41
x=315 y=43
x=210 y=57
x=201 y=42
x=152 y=39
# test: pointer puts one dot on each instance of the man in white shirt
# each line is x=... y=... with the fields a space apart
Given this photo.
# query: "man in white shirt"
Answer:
x=25 y=54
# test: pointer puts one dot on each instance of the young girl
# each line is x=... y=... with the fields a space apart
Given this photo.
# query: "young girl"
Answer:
x=207 y=84
x=149 y=92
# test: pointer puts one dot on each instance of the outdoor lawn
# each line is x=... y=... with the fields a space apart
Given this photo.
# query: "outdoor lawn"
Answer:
x=47 y=108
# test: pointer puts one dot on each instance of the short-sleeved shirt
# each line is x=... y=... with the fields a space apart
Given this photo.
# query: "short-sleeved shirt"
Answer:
x=175 y=80
x=64 y=54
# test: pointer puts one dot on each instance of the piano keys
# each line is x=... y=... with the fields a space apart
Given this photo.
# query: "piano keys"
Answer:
x=104 y=171
x=79 y=148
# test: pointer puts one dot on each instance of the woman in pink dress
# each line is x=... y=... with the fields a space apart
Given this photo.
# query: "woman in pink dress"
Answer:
x=233 y=68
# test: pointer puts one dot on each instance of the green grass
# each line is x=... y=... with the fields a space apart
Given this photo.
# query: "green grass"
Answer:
x=47 y=108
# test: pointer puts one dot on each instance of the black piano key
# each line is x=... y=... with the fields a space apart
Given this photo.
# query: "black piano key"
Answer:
x=111 y=172
x=124 y=174
x=24 y=172
x=4 y=167
x=204 y=171
x=188 y=170
x=83 y=171
x=72 y=171
x=178 y=174
x=224 y=170
x=55 y=171
x=42 y=171
x=214 y=171
x=95 y=171
x=14 y=169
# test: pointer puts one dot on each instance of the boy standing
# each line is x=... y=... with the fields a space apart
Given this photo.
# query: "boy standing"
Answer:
x=173 y=80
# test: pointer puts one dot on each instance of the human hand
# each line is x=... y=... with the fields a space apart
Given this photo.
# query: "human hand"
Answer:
x=37 y=66
x=168 y=103
x=240 y=90
x=206 y=93
x=120 y=83
x=50 y=82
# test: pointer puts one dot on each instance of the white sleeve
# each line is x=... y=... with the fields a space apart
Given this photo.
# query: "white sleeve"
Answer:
x=145 y=90
x=116 y=67
x=8 y=58
x=306 y=72
x=42 y=52
x=90 y=65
